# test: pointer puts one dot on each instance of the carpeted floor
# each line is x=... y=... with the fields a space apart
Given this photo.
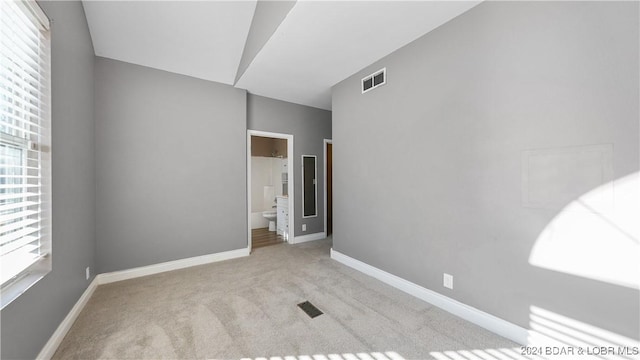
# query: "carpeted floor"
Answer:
x=246 y=308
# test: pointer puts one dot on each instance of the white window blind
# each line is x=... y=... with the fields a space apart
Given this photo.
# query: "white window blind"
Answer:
x=25 y=230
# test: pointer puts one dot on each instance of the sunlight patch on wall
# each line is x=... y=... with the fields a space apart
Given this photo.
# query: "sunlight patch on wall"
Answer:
x=595 y=240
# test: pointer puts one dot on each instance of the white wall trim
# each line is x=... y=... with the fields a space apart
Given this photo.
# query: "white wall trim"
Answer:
x=471 y=314
x=309 y=237
x=110 y=277
x=54 y=341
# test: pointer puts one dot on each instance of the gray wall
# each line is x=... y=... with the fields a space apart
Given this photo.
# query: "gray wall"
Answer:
x=30 y=320
x=170 y=155
x=428 y=167
x=309 y=126
x=266 y=18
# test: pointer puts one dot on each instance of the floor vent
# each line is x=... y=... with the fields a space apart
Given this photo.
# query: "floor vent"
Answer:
x=311 y=310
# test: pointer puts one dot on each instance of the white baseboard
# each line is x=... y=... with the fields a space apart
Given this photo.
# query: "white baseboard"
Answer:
x=169 y=265
x=309 y=237
x=54 y=341
x=471 y=314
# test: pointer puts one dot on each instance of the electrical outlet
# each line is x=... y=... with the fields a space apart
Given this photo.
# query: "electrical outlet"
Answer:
x=87 y=272
x=304 y=227
x=448 y=281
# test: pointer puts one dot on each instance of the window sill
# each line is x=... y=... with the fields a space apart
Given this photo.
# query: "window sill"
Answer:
x=20 y=286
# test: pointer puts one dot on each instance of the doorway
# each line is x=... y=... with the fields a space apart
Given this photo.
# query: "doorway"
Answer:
x=269 y=188
x=328 y=187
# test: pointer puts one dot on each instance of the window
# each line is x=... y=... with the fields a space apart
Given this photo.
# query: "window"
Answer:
x=25 y=181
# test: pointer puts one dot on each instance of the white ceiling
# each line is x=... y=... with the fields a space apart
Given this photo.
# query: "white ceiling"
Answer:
x=317 y=45
x=203 y=39
x=320 y=43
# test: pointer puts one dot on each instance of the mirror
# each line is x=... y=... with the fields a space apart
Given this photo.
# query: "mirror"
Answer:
x=309 y=186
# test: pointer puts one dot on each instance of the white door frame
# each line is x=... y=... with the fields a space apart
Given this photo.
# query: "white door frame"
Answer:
x=289 y=139
x=324 y=152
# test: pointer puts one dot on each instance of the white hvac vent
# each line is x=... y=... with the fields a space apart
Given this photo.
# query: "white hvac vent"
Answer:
x=374 y=80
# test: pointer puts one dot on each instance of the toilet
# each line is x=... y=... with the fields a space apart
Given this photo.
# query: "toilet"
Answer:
x=271 y=216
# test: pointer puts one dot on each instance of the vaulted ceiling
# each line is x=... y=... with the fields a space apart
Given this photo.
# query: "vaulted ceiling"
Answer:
x=292 y=51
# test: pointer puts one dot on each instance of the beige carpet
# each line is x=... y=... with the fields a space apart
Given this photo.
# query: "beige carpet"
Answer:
x=246 y=308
